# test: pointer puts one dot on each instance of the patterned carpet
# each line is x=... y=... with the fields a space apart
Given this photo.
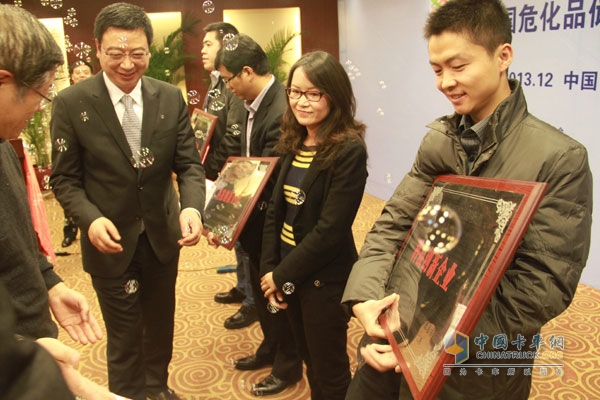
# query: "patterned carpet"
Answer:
x=204 y=350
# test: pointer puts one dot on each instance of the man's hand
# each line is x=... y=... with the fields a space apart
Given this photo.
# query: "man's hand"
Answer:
x=380 y=356
x=368 y=313
x=191 y=227
x=68 y=360
x=59 y=351
x=105 y=236
x=84 y=388
x=212 y=240
x=71 y=310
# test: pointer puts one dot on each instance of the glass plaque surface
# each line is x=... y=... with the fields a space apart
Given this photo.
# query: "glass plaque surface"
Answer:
x=447 y=269
x=233 y=196
x=203 y=125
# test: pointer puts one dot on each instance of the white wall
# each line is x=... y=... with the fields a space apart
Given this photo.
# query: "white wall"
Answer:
x=383 y=50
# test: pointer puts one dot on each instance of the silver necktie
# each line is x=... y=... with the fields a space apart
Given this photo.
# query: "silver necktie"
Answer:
x=131 y=125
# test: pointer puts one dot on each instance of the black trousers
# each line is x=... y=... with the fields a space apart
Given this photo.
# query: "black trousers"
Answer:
x=320 y=327
x=371 y=384
x=138 y=310
x=278 y=343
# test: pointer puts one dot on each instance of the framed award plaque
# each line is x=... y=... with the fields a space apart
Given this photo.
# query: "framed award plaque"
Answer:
x=233 y=196
x=203 y=125
x=449 y=266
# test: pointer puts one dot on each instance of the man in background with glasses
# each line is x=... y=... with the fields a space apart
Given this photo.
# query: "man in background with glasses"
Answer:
x=124 y=135
x=225 y=142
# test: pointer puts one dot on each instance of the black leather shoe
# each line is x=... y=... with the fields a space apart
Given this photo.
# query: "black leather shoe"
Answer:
x=245 y=316
x=69 y=232
x=233 y=296
x=270 y=385
x=252 y=362
x=168 y=394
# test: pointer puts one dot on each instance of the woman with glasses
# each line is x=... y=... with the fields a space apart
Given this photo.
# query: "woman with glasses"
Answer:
x=308 y=247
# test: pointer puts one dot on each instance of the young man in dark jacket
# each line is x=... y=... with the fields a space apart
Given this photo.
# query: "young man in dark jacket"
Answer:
x=470 y=53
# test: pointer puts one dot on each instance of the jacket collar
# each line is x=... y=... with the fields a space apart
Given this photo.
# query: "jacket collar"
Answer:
x=509 y=113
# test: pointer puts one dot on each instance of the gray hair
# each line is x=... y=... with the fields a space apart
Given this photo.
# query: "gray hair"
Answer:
x=27 y=49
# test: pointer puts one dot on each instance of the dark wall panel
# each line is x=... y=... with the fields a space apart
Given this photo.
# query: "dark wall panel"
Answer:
x=319 y=23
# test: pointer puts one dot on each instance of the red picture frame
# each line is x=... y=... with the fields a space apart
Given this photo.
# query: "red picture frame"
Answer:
x=203 y=125
x=491 y=217
x=233 y=196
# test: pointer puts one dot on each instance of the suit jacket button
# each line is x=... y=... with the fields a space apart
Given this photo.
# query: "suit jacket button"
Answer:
x=140 y=188
x=288 y=288
x=317 y=283
x=262 y=205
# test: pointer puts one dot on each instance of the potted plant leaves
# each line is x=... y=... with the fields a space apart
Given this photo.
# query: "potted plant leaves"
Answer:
x=36 y=138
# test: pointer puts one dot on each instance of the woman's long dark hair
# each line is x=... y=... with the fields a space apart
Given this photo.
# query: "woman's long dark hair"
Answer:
x=328 y=75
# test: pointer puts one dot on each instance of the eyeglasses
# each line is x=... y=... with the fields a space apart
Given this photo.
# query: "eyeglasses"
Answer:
x=310 y=95
x=46 y=99
x=119 y=56
x=227 y=80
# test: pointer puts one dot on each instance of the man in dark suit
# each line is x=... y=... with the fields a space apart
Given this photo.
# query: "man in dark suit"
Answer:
x=225 y=142
x=220 y=102
x=244 y=68
x=113 y=174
